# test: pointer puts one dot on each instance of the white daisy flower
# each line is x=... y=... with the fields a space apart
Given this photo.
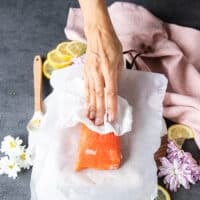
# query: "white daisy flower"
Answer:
x=24 y=160
x=17 y=157
x=10 y=167
x=11 y=146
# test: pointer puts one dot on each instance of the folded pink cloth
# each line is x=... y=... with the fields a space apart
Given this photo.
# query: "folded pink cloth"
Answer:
x=158 y=47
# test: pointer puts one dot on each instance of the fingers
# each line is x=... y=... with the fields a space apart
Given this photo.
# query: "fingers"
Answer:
x=92 y=100
x=87 y=88
x=100 y=102
x=89 y=92
x=97 y=99
x=90 y=96
x=95 y=82
x=94 y=90
x=111 y=97
x=104 y=60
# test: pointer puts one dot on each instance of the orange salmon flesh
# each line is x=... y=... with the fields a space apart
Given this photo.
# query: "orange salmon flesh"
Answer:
x=98 y=151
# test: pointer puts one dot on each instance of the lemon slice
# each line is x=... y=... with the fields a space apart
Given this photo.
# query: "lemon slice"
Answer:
x=47 y=69
x=163 y=194
x=58 y=61
x=73 y=48
x=179 y=133
x=62 y=49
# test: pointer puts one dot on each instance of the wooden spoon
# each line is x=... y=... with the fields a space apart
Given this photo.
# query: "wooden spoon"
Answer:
x=35 y=122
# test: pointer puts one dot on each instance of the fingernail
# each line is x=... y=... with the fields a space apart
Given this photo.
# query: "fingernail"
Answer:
x=92 y=115
x=98 y=121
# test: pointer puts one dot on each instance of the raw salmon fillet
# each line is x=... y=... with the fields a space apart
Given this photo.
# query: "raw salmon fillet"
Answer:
x=97 y=151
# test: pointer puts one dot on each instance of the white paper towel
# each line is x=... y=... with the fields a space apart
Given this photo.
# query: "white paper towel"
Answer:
x=68 y=84
x=53 y=176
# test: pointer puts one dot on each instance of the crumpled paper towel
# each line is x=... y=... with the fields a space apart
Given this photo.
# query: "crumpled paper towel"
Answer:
x=69 y=89
x=55 y=152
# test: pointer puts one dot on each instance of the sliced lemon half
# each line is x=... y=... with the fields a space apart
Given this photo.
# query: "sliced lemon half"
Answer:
x=58 y=61
x=73 y=48
x=163 y=194
x=179 y=133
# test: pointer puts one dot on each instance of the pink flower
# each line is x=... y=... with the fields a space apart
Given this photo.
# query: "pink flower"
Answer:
x=175 y=174
x=192 y=165
x=178 y=168
x=189 y=159
x=173 y=151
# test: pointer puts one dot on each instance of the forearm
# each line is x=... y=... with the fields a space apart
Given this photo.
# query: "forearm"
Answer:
x=103 y=61
x=95 y=15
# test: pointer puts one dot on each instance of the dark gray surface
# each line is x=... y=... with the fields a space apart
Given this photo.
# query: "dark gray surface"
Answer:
x=34 y=27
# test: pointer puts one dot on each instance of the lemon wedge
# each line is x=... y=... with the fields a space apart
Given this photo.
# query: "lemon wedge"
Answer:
x=58 y=61
x=73 y=48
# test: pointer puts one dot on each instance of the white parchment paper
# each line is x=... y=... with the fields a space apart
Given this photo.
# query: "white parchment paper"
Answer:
x=56 y=143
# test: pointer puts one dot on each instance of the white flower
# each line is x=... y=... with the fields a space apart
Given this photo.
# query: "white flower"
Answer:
x=12 y=147
x=24 y=160
x=17 y=157
x=9 y=167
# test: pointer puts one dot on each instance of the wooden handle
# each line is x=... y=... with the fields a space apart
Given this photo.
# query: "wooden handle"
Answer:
x=37 y=73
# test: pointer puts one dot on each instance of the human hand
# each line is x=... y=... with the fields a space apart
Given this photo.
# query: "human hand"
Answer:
x=103 y=62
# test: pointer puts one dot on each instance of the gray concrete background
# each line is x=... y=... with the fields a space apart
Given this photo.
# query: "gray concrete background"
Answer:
x=34 y=27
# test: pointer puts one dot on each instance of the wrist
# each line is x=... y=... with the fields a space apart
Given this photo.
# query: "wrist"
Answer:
x=96 y=16
x=93 y=28
x=101 y=23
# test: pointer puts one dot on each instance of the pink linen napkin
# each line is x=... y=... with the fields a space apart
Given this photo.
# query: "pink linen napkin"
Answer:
x=158 y=47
